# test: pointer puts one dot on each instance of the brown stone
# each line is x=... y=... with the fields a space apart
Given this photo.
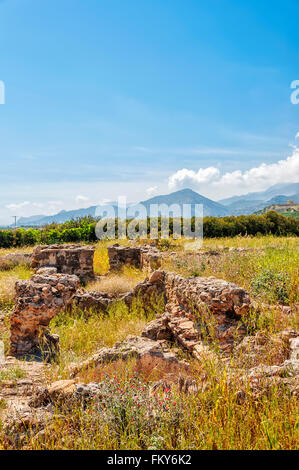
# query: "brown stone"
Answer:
x=67 y=259
x=148 y=353
x=144 y=257
x=38 y=300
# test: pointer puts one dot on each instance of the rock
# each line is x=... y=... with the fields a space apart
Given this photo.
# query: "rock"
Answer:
x=148 y=353
x=61 y=388
x=98 y=301
x=59 y=391
x=67 y=259
x=38 y=300
x=262 y=377
x=145 y=257
x=193 y=305
x=46 y=271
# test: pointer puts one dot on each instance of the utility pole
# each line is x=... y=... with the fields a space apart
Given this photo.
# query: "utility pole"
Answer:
x=15 y=217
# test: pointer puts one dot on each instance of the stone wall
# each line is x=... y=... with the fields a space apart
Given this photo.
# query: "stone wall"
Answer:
x=38 y=300
x=221 y=297
x=141 y=257
x=198 y=310
x=67 y=259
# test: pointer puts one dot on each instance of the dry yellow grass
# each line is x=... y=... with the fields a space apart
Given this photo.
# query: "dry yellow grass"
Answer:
x=7 y=284
x=24 y=249
x=119 y=282
x=214 y=418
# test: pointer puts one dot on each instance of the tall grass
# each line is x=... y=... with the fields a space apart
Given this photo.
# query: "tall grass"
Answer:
x=244 y=268
x=7 y=284
x=80 y=337
x=223 y=413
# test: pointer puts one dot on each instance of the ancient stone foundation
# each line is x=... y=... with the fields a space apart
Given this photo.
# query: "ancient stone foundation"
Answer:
x=148 y=353
x=197 y=310
x=67 y=259
x=200 y=309
x=141 y=257
x=38 y=300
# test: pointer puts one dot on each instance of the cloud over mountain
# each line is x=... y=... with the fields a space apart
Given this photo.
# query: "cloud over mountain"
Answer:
x=238 y=182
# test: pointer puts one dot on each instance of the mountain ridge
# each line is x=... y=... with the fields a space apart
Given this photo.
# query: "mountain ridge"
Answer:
x=236 y=205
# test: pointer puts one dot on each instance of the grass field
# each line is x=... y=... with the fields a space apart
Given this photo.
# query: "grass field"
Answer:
x=215 y=417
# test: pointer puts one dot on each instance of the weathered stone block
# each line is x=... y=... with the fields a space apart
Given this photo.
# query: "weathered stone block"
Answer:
x=141 y=257
x=38 y=300
x=67 y=259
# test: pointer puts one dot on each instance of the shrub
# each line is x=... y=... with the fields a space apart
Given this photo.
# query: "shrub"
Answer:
x=83 y=230
x=273 y=285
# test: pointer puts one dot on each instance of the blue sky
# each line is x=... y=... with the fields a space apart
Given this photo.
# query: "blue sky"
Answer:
x=140 y=97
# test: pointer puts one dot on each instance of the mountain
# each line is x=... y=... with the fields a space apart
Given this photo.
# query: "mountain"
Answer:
x=253 y=202
x=281 y=199
x=286 y=189
x=236 y=205
x=62 y=216
x=185 y=196
x=30 y=220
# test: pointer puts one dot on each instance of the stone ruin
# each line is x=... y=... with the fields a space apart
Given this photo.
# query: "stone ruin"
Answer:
x=147 y=352
x=145 y=257
x=197 y=310
x=38 y=300
x=190 y=303
x=67 y=259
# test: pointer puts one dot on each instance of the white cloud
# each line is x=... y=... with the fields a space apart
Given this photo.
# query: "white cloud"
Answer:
x=81 y=198
x=104 y=202
x=209 y=180
x=15 y=207
x=53 y=206
x=152 y=191
x=184 y=177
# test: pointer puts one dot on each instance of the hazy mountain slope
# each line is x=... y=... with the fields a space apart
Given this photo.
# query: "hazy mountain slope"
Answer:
x=59 y=218
x=187 y=196
x=286 y=189
x=237 y=205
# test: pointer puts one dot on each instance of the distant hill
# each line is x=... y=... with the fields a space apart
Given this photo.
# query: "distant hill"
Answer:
x=253 y=202
x=30 y=220
x=286 y=189
x=288 y=207
x=185 y=196
x=61 y=217
x=247 y=204
x=283 y=199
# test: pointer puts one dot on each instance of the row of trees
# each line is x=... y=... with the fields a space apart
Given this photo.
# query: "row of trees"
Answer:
x=83 y=230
